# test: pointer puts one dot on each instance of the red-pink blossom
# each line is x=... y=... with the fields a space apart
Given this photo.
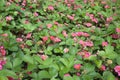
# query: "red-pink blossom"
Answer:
x=104 y=43
x=103 y=68
x=115 y=36
x=117 y=69
x=109 y=19
x=44 y=57
x=35 y=14
x=52 y=38
x=57 y=39
x=77 y=66
x=10 y=78
x=2 y=51
x=73 y=34
x=66 y=50
x=64 y=33
x=50 y=7
x=28 y=35
x=89 y=43
x=78 y=74
x=86 y=54
x=45 y=38
x=67 y=74
x=19 y=39
x=70 y=17
x=88 y=24
x=1 y=67
x=82 y=43
x=9 y=18
x=49 y=25
x=118 y=30
x=5 y=35
x=85 y=34
x=106 y=6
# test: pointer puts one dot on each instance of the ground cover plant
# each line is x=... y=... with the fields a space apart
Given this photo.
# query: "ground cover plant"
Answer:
x=59 y=40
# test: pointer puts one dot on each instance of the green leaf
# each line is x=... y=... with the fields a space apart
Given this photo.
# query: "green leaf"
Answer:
x=43 y=74
x=3 y=78
x=38 y=59
x=98 y=63
x=16 y=62
x=107 y=75
x=28 y=59
x=29 y=42
x=118 y=60
x=68 y=78
x=8 y=73
x=89 y=67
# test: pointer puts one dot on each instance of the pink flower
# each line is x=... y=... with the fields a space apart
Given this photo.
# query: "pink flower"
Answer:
x=103 y=2
x=106 y=6
x=86 y=54
x=51 y=8
x=75 y=39
x=3 y=62
x=85 y=1
x=118 y=30
x=49 y=25
x=82 y=43
x=1 y=67
x=57 y=39
x=35 y=14
x=64 y=33
x=5 y=35
x=103 y=68
x=117 y=69
x=115 y=36
x=88 y=24
x=2 y=51
x=109 y=19
x=19 y=39
x=52 y=38
x=73 y=34
x=44 y=57
x=10 y=78
x=67 y=74
x=89 y=43
x=66 y=50
x=95 y=20
x=28 y=35
x=78 y=74
x=85 y=35
x=45 y=38
x=70 y=17
x=8 y=18
x=77 y=66
x=79 y=33
x=104 y=43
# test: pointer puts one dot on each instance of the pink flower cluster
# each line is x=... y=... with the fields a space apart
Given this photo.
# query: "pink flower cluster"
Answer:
x=86 y=43
x=9 y=18
x=50 y=7
x=92 y=17
x=3 y=60
x=52 y=38
x=70 y=17
x=118 y=30
x=2 y=51
x=104 y=44
x=80 y=34
x=84 y=54
x=77 y=66
x=117 y=69
x=55 y=39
